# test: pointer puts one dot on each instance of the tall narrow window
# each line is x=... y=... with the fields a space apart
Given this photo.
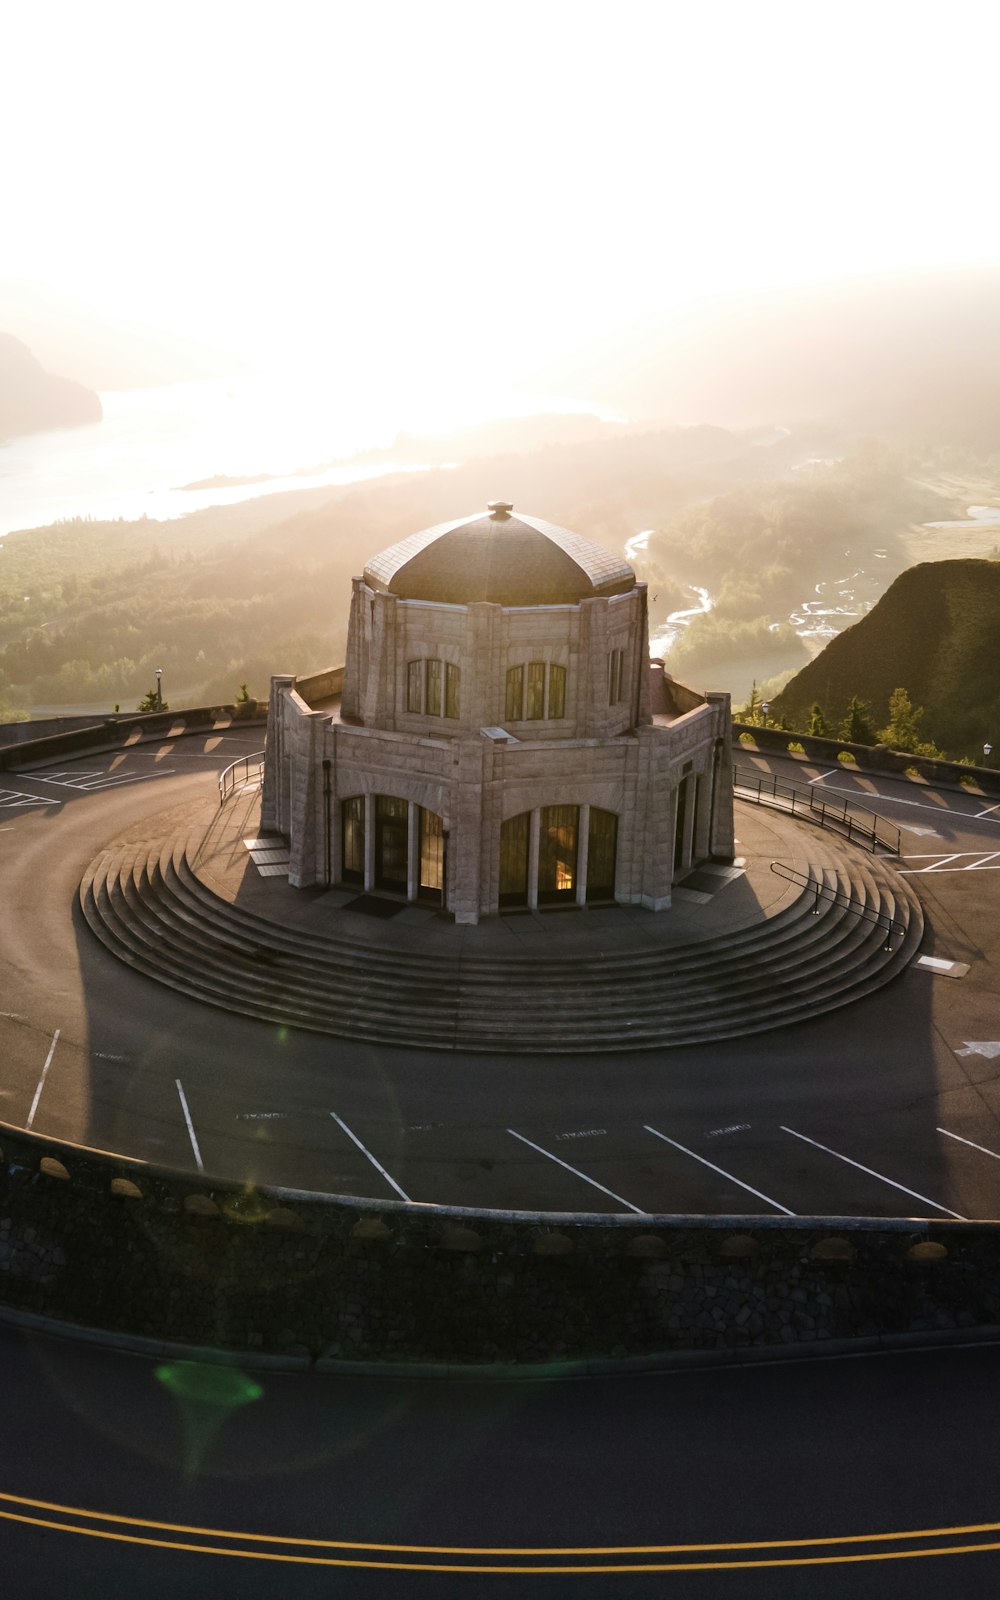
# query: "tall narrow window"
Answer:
x=450 y=690
x=352 y=821
x=433 y=688
x=602 y=855
x=515 y=694
x=615 y=677
x=535 y=709
x=415 y=686
x=557 y=691
x=514 y=835
x=431 y=856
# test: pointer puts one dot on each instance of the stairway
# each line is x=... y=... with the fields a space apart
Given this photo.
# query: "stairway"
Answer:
x=152 y=911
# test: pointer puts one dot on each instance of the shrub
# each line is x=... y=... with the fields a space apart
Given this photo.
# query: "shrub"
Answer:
x=795 y=748
x=847 y=757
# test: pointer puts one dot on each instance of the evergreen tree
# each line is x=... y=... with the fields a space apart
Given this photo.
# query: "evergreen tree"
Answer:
x=149 y=702
x=856 y=727
x=817 y=722
x=902 y=732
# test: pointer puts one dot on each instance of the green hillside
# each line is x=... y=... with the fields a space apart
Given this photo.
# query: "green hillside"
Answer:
x=935 y=633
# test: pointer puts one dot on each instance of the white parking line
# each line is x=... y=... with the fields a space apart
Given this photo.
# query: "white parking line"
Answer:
x=190 y=1126
x=824 y=775
x=578 y=1174
x=943 y=811
x=366 y=1152
x=10 y=799
x=988 y=810
x=971 y=1142
x=41 y=1081
x=720 y=1170
x=942 y=872
x=872 y=1174
x=935 y=855
x=138 y=777
x=91 y=782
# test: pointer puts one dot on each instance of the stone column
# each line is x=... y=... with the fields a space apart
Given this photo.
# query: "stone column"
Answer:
x=721 y=845
x=466 y=819
x=534 y=829
x=582 y=855
x=306 y=805
x=412 y=851
x=369 y=842
x=271 y=810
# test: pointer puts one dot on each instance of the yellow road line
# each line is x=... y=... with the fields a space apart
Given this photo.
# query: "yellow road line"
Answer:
x=499 y=1550
x=481 y=1569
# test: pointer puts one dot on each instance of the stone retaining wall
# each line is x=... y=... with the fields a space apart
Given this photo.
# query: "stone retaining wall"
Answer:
x=875 y=758
x=116 y=733
x=120 y=1245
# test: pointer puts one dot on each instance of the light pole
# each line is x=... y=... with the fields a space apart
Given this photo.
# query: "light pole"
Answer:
x=987 y=752
x=765 y=710
x=159 y=690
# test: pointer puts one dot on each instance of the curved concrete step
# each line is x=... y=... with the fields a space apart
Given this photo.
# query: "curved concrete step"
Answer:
x=152 y=910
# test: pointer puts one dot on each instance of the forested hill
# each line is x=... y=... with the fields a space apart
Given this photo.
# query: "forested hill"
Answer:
x=935 y=633
x=32 y=400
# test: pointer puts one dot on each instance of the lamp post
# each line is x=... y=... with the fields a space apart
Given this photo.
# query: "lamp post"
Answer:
x=987 y=752
x=765 y=711
x=159 y=690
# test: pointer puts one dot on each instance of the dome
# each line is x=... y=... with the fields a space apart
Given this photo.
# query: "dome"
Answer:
x=495 y=556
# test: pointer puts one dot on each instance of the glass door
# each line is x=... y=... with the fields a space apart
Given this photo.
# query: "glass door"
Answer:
x=557 y=846
x=391 y=829
x=602 y=855
x=514 y=861
x=431 y=883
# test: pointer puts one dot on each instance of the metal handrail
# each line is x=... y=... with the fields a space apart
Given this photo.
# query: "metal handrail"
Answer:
x=860 y=825
x=882 y=918
x=241 y=771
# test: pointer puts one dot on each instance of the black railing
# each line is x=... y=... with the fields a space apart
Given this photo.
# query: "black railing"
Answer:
x=855 y=822
x=840 y=897
x=240 y=772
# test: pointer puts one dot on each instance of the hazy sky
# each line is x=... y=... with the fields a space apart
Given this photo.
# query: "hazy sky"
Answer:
x=431 y=192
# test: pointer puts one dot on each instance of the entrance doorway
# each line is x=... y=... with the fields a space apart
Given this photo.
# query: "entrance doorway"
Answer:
x=557 y=854
x=391 y=832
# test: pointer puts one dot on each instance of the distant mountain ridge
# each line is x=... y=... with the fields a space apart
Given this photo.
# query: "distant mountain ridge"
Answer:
x=33 y=400
x=935 y=633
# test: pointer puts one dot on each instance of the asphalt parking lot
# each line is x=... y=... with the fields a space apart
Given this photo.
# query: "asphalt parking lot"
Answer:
x=889 y=1107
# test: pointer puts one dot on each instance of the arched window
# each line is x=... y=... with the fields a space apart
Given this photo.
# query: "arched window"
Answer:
x=432 y=687
x=536 y=692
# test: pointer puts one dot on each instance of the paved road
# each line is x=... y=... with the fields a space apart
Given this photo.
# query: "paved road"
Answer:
x=869 y=1477
x=888 y=1108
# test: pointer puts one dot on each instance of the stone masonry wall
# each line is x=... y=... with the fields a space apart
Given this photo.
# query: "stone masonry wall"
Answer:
x=119 y=1245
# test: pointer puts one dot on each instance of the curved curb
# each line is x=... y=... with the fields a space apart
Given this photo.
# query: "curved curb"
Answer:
x=665 y=1362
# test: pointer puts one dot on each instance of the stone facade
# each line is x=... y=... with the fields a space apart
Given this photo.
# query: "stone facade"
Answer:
x=486 y=755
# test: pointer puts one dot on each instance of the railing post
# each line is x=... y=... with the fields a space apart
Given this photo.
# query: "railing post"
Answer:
x=819 y=888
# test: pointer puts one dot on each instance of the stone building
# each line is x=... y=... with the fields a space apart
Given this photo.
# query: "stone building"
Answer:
x=498 y=737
